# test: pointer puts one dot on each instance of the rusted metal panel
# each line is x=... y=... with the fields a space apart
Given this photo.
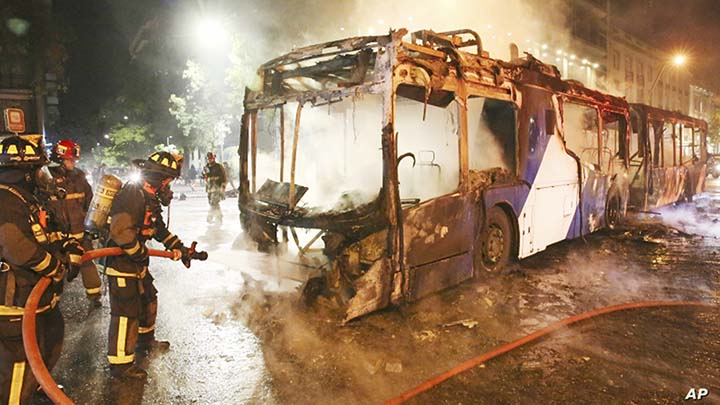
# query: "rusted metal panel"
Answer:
x=439 y=228
x=371 y=290
x=669 y=184
x=433 y=277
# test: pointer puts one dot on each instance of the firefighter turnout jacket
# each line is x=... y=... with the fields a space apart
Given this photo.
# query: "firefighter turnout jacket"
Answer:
x=135 y=217
x=29 y=249
x=215 y=178
x=70 y=212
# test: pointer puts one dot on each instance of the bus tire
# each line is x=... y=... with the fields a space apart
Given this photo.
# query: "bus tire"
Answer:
x=613 y=210
x=494 y=245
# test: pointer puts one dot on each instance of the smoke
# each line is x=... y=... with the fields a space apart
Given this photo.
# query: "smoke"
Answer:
x=529 y=24
x=339 y=156
x=693 y=219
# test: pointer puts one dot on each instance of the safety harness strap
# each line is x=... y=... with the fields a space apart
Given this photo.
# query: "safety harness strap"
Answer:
x=11 y=310
x=114 y=273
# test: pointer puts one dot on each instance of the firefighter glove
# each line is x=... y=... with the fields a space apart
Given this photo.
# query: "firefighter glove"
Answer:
x=57 y=275
x=50 y=266
x=74 y=251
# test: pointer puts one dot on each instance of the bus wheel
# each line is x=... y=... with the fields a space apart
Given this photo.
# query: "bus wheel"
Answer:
x=613 y=211
x=494 y=248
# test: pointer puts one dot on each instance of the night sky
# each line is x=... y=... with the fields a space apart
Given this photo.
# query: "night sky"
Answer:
x=99 y=55
x=96 y=56
x=684 y=25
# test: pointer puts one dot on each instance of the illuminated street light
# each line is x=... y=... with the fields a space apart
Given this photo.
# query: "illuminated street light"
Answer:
x=210 y=32
x=125 y=117
x=677 y=61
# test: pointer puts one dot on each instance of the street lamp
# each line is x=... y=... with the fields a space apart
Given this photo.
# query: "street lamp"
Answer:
x=210 y=32
x=677 y=61
x=167 y=140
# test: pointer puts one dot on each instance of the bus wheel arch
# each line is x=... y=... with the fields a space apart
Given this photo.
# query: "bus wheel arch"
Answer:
x=496 y=245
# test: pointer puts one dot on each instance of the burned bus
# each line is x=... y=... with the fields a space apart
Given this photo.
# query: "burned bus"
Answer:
x=668 y=155
x=421 y=162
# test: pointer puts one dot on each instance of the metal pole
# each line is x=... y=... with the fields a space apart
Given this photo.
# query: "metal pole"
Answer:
x=291 y=203
x=253 y=149
x=282 y=142
x=662 y=69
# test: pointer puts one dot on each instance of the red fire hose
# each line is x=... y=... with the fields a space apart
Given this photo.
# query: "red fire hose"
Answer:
x=32 y=351
x=529 y=338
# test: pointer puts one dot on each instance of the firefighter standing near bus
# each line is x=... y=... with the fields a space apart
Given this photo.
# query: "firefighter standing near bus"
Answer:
x=70 y=211
x=215 y=183
x=136 y=217
x=31 y=248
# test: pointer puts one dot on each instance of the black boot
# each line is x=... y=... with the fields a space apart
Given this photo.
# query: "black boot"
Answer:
x=95 y=300
x=127 y=371
x=148 y=344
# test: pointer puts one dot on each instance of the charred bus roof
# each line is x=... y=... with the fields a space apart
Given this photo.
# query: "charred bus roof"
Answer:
x=325 y=72
x=675 y=117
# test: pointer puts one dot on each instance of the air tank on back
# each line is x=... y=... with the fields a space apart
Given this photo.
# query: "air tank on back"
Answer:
x=104 y=193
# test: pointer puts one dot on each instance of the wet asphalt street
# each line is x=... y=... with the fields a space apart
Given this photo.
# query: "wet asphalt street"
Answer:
x=213 y=358
x=238 y=335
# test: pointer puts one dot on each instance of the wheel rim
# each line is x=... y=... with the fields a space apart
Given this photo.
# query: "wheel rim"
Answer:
x=494 y=245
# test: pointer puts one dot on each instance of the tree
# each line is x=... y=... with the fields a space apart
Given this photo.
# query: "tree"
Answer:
x=203 y=112
x=128 y=142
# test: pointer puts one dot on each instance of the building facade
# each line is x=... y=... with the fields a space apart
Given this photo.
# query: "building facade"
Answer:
x=31 y=59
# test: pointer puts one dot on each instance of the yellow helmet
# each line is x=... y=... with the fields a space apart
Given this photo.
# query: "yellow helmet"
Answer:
x=163 y=163
x=21 y=151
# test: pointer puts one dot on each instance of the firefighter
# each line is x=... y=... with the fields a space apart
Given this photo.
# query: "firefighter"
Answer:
x=215 y=183
x=30 y=249
x=136 y=216
x=70 y=211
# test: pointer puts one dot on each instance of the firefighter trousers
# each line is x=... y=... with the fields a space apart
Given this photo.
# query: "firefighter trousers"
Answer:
x=17 y=382
x=90 y=279
x=133 y=310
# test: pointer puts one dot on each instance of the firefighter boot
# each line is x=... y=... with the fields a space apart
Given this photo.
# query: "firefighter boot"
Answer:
x=148 y=344
x=94 y=300
x=127 y=371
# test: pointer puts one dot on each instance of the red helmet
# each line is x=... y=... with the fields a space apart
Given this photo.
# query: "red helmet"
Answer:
x=65 y=149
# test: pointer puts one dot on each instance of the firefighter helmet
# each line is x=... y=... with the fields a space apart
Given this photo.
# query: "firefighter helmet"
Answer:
x=161 y=163
x=19 y=151
x=65 y=149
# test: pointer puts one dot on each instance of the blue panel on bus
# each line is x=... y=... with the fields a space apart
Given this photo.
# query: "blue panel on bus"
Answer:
x=537 y=144
x=594 y=194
